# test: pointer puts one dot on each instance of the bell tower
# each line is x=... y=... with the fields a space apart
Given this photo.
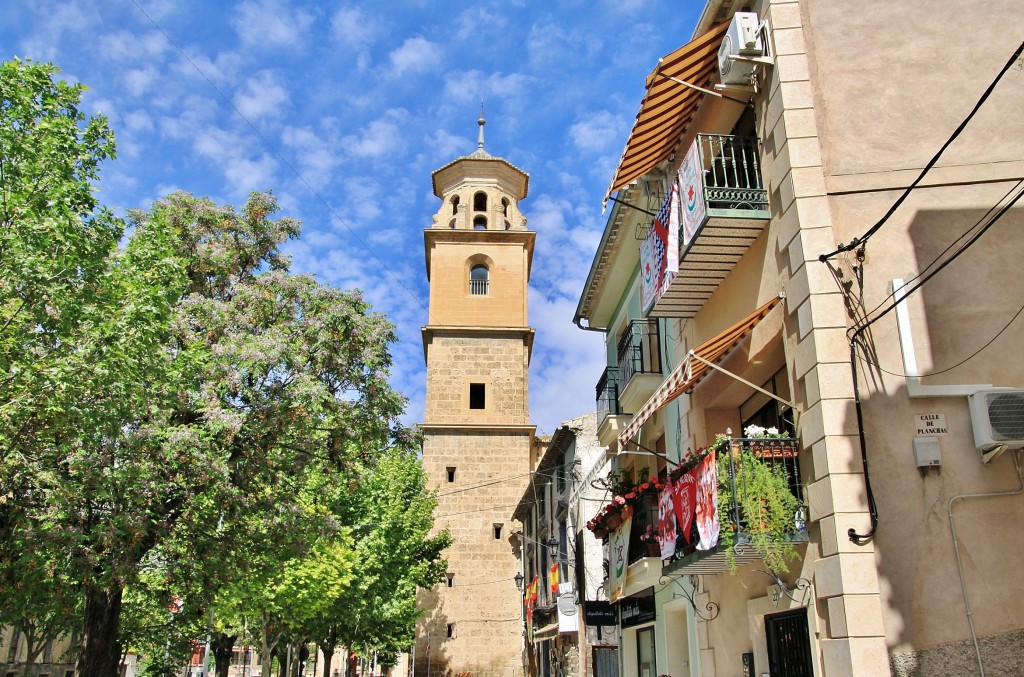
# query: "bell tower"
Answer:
x=477 y=430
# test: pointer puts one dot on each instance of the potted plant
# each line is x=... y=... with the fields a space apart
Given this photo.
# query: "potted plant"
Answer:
x=649 y=542
x=769 y=442
x=755 y=498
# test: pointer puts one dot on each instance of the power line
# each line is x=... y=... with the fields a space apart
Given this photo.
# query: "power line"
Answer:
x=860 y=241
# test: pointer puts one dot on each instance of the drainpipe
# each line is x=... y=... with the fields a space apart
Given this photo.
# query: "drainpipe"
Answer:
x=577 y=320
x=956 y=550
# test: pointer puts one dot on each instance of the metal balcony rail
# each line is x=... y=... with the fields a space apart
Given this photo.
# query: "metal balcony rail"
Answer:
x=780 y=454
x=643 y=540
x=608 y=394
x=732 y=172
x=478 y=287
x=639 y=350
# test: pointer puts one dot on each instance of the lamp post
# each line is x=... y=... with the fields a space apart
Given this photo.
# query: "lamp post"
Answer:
x=519 y=578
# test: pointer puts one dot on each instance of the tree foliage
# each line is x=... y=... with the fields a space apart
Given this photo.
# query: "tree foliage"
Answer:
x=167 y=394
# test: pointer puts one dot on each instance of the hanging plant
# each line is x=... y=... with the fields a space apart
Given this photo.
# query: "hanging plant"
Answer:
x=769 y=512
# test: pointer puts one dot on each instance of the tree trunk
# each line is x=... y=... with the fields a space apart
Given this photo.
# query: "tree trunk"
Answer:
x=327 y=646
x=221 y=645
x=101 y=653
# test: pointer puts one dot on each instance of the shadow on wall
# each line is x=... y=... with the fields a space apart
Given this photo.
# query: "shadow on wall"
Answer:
x=436 y=623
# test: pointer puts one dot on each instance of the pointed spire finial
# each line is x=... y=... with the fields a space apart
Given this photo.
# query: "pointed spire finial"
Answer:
x=481 y=122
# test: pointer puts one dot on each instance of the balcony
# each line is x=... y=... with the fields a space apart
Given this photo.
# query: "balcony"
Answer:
x=639 y=358
x=729 y=208
x=747 y=537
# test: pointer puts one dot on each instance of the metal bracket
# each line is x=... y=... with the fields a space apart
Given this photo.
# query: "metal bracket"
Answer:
x=712 y=608
x=802 y=585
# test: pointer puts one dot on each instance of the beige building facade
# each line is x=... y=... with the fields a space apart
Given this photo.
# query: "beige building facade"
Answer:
x=907 y=549
x=477 y=430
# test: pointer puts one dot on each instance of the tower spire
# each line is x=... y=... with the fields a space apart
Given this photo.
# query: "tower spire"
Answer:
x=481 y=122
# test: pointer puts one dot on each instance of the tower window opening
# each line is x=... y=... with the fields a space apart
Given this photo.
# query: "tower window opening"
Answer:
x=480 y=202
x=504 y=206
x=497 y=531
x=451 y=473
x=477 y=396
x=450 y=579
x=479 y=277
x=451 y=630
x=455 y=204
x=451 y=224
x=480 y=223
x=508 y=226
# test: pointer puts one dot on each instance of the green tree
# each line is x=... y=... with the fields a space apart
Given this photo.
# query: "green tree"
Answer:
x=392 y=511
x=54 y=242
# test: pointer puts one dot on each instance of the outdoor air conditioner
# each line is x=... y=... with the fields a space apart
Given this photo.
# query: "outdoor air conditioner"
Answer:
x=742 y=39
x=997 y=417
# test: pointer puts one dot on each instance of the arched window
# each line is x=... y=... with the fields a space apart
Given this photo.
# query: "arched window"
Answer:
x=504 y=206
x=480 y=202
x=508 y=226
x=478 y=279
x=455 y=204
x=480 y=223
x=451 y=224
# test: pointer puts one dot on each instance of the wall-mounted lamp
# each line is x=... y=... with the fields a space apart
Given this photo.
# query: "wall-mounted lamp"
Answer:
x=519 y=578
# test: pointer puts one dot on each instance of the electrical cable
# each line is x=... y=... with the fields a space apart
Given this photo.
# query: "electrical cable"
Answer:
x=859 y=241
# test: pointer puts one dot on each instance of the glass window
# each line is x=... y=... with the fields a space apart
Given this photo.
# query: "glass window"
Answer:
x=645 y=658
x=478 y=278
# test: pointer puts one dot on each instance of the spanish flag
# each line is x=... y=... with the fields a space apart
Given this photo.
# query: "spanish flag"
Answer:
x=554 y=576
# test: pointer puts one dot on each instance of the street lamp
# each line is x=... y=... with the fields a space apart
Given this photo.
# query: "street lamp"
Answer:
x=519 y=580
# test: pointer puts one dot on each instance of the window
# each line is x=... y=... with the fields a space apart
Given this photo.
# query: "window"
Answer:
x=508 y=226
x=450 y=579
x=455 y=204
x=504 y=207
x=451 y=630
x=480 y=202
x=478 y=278
x=477 y=396
x=497 y=531
x=451 y=224
x=762 y=410
x=480 y=223
x=451 y=473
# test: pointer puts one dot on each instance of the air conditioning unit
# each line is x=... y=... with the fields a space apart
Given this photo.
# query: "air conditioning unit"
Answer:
x=742 y=39
x=997 y=417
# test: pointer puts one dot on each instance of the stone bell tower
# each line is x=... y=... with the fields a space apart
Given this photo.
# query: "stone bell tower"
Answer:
x=477 y=430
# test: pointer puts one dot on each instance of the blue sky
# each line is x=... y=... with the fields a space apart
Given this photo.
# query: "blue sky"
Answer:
x=344 y=109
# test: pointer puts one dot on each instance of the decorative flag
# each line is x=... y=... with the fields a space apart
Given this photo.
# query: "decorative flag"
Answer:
x=707 y=502
x=659 y=252
x=553 y=577
x=618 y=549
x=684 y=499
x=691 y=189
x=666 y=522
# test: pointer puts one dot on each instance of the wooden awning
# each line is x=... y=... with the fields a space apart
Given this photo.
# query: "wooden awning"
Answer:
x=690 y=371
x=668 y=106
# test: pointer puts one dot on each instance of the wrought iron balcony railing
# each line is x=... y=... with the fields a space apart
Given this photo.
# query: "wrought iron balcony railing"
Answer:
x=760 y=501
x=608 y=394
x=732 y=172
x=639 y=350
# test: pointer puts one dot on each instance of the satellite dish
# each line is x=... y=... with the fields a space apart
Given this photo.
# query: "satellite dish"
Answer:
x=567 y=604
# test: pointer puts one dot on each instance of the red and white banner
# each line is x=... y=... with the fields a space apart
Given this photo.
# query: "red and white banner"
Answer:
x=666 y=522
x=684 y=500
x=708 y=525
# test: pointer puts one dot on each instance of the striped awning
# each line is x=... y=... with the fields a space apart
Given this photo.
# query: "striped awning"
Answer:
x=690 y=371
x=668 y=106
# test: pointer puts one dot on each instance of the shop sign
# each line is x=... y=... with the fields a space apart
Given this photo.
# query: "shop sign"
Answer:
x=599 y=612
x=637 y=609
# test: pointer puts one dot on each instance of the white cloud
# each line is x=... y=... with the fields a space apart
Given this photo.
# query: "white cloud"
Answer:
x=316 y=156
x=244 y=168
x=352 y=26
x=262 y=96
x=476 y=22
x=139 y=81
x=383 y=136
x=271 y=23
x=597 y=132
x=416 y=55
x=129 y=47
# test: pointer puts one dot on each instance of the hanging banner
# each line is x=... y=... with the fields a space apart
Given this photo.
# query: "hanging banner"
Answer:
x=707 y=502
x=618 y=554
x=659 y=252
x=684 y=500
x=691 y=191
x=666 y=522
